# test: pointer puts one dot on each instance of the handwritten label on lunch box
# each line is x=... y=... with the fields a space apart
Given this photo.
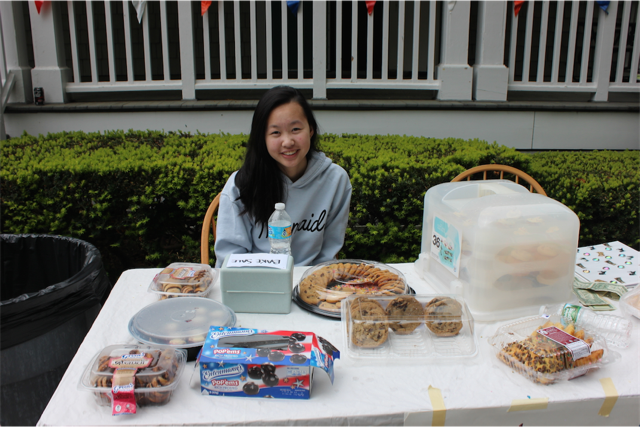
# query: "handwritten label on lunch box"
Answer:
x=278 y=261
x=446 y=244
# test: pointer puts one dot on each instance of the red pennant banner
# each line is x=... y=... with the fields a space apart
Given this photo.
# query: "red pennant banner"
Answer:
x=204 y=6
x=39 y=4
x=516 y=6
x=370 y=5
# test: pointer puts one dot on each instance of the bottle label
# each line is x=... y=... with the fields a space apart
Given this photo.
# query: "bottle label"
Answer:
x=570 y=311
x=279 y=232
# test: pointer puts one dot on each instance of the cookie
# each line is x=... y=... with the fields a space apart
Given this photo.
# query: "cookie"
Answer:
x=443 y=316
x=402 y=312
x=370 y=327
x=311 y=290
x=327 y=306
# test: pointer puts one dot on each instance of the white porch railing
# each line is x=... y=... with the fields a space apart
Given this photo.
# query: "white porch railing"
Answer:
x=100 y=47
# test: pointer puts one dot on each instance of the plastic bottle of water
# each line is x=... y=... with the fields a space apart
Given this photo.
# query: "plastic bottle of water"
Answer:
x=280 y=227
x=615 y=329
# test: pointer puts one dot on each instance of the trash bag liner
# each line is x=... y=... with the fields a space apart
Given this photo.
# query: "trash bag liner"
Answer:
x=45 y=281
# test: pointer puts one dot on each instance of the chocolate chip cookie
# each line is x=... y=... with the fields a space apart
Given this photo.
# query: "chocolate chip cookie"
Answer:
x=443 y=316
x=405 y=314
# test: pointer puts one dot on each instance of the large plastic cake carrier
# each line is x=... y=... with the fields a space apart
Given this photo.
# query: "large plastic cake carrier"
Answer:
x=505 y=250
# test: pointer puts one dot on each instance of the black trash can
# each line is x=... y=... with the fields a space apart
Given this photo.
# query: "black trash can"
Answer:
x=51 y=292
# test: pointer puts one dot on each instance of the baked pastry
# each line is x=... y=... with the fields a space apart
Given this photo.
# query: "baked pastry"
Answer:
x=369 y=325
x=538 y=357
x=402 y=312
x=443 y=316
x=334 y=282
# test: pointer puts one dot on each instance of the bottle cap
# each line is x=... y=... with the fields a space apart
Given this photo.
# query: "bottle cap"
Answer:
x=280 y=206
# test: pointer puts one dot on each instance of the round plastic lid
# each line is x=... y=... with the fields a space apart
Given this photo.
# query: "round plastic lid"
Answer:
x=179 y=322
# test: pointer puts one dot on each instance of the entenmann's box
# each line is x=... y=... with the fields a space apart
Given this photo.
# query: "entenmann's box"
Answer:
x=505 y=250
x=252 y=363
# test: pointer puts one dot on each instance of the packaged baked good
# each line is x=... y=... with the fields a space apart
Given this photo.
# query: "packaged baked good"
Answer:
x=154 y=381
x=325 y=286
x=184 y=279
x=548 y=349
x=380 y=326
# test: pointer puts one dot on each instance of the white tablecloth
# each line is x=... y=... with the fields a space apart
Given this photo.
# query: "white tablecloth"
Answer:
x=476 y=391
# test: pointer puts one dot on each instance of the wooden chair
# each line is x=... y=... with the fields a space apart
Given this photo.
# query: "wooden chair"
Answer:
x=494 y=170
x=208 y=223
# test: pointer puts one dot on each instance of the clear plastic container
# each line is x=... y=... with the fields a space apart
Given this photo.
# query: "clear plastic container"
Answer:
x=280 y=229
x=615 y=329
x=630 y=302
x=504 y=250
x=323 y=287
x=184 y=279
x=408 y=326
x=154 y=384
x=179 y=322
x=521 y=348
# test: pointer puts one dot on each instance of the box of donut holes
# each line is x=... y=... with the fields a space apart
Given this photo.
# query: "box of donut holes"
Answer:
x=152 y=375
x=184 y=279
x=324 y=287
x=408 y=326
x=243 y=362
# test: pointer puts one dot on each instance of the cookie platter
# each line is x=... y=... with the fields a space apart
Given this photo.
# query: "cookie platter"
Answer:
x=324 y=287
x=417 y=326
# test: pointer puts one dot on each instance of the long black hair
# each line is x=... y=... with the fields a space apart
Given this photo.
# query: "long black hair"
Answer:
x=259 y=180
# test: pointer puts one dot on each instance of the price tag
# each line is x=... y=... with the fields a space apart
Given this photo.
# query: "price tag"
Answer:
x=446 y=243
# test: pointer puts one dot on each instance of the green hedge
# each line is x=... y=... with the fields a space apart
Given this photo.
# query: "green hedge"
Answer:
x=140 y=196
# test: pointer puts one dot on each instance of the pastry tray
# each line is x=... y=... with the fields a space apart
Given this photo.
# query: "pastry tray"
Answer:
x=333 y=281
x=404 y=342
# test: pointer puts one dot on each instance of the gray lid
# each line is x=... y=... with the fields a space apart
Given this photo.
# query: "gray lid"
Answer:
x=279 y=206
x=179 y=322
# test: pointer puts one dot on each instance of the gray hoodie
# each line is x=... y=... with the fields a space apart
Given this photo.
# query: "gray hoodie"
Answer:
x=318 y=204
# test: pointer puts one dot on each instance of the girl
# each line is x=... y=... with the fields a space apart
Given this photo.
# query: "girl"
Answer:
x=283 y=164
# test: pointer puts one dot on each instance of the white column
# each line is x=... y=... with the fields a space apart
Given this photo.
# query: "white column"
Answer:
x=490 y=76
x=15 y=45
x=320 y=50
x=51 y=72
x=187 y=57
x=454 y=72
x=604 y=51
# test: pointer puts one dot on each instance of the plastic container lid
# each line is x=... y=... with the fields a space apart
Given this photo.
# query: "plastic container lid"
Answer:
x=179 y=322
x=184 y=279
x=630 y=302
x=154 y=384
x=408 y=326
x=546 y=351
x=324 y=286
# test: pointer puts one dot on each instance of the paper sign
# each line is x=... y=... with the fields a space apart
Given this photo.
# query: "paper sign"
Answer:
x=446 y=244
x=258 y=260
